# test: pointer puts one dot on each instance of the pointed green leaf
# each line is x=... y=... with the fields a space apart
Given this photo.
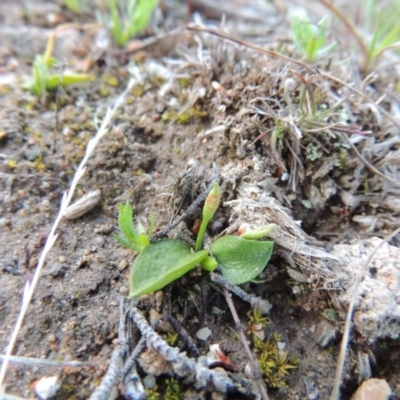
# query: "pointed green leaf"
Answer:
x=160 y=264
x=125 y=223
x=126 y=243
x=241 y=260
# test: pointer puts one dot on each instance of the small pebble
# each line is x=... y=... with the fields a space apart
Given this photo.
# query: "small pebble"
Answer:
x=203 y=333
x=373 y=389
x=122 y=265
x=123 y=290
x=33 y=153
x=47 y=387
x=149 y=381
x=56 y=270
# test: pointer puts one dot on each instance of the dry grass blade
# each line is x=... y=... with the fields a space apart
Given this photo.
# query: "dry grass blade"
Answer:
x=349 y=26
x=346 y=333
x=254 y=364
x=30 y=286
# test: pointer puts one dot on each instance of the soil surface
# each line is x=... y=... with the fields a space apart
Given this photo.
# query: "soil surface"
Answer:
x=199 y=103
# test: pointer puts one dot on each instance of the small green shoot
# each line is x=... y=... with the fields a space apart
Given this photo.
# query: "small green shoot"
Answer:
x=210 y=207
x=128 y=18
x=172 y=338
x=310 y=38
x=241 y=259
x=134 y=239
x=386 y=27
x=75 y=5
x=43 y=80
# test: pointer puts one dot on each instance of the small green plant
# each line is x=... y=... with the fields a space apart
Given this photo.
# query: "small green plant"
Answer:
x=275 y=364
x=385 y=25
x=380 y=18
x=172 y=338
x=173 y=391
x=43 y=80
x=75 y=5
x=127 y=18
x=240 y=259
x=310 y=38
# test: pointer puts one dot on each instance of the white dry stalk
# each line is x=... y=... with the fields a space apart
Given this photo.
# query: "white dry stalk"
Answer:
x=347 y=327
x=66 y=200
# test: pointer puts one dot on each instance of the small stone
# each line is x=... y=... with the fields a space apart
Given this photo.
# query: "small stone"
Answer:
x=159 y=297
x=149 y=381
x=203 y=333
x=33 y=153
x=123 y=290
x=373 y=389
x=52 y=338
x=57 y=270
x=47 y=387
x=122 y=264
x=154 y=316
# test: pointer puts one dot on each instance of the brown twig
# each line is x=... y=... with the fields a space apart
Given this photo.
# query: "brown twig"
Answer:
x=347 y=328
x=352 y=29
x=255 y=368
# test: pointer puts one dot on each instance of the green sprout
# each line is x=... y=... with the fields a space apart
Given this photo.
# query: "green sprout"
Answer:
x=43 y=80
x=241 y=259
x=386 y=27
x=380 y=18
x=75 y=5
x=310 y=38
x=127 y=19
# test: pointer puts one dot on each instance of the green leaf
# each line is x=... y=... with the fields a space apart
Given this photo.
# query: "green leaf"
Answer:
x=241 y=260
x=160 y=264
x=144 y=10
x=69 y=78
x=125 y=222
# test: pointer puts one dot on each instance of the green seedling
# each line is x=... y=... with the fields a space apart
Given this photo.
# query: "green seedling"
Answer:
x=241 y=259
x=43 y=80
x=310 y=38
x=127 y=19
x=380 y=18
x=75 y=5
x=386 y=27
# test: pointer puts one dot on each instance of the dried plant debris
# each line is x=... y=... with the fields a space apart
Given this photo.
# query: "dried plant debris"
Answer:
x=304 y=126
x=255 y=205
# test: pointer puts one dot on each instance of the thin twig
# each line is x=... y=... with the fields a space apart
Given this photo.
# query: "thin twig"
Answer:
x=109 y=380
x=257 y=302
x=47 y=363
x=194 y=372
x=349 y=26
x=347 y=327
x=132 y=358
x=184 y=335
x=66 y=200
x=255 y=368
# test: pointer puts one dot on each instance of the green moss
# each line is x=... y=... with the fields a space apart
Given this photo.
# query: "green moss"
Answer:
x=275 y=364
x=153 y=394
x=172 y=338
x=173 y=391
